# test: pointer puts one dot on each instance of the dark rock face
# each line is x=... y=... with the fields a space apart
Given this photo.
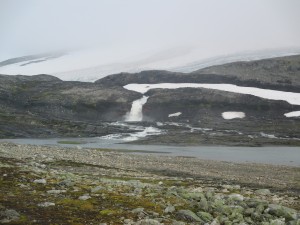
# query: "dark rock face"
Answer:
x=45 y=104
x=197 y=104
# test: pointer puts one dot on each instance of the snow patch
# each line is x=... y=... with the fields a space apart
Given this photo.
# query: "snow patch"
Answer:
x=272 y=136
x=233 y=115
x=290 y=97
x=175 y=114
x=292 y=114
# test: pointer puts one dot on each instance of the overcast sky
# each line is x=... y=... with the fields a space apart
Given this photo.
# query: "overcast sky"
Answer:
x=127 y=27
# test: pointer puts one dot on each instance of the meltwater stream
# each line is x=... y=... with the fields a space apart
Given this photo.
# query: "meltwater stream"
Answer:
x=136 y=112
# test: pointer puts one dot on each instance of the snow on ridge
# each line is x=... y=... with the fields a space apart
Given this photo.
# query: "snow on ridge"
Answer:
x=290 y=97
x=233 y=115
x=292 y=114
x=175 y=114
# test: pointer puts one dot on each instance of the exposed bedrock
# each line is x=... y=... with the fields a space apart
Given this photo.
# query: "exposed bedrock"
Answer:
x=198 y=104
x=46 y=106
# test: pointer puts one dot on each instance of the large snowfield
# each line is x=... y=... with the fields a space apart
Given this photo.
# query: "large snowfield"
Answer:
x=92 y=64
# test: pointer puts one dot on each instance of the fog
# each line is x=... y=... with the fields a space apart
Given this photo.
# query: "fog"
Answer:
x=121 y=30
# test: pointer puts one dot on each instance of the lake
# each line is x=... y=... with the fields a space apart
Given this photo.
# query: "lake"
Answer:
x=278 y=155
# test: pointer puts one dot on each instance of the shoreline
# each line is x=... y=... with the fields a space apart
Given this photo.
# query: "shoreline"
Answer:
x=237 y=154
x=151 y=163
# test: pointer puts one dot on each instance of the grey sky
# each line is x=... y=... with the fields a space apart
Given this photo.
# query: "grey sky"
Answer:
x=126 y=27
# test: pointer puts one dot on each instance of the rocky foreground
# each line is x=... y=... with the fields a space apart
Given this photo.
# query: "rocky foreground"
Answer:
x=51 y=185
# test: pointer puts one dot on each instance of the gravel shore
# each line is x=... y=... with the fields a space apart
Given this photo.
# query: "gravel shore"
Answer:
x=149 y=179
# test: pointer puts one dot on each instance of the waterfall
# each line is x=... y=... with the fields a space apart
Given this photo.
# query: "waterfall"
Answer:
x=136 y=112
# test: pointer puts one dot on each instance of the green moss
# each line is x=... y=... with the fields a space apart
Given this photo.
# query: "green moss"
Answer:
x=109 y=212
x=77 y=204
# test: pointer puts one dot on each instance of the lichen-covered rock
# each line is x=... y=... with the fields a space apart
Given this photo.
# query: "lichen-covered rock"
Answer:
x=46 y=204
x=206 y=217
x=9 y=215
x=84 y=197
x=40 y=181
x=188 y=215
x=236 y=197
x=148 y=222
x=169 y=209
x=282 y=211
x=277 y=222
x=263 y=192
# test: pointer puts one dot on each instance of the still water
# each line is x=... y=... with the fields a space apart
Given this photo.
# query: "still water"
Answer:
x=270 y=155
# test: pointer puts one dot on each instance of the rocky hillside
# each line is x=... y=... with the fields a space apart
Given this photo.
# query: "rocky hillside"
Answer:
x=45 y=106
x=282 y=71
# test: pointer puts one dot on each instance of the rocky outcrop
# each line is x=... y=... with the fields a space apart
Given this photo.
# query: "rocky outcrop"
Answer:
x=281 y=72
x=44 y=104
x=206 y=104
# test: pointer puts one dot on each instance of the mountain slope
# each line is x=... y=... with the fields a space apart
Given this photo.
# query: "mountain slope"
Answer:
x=283 y=71
x=45 y=106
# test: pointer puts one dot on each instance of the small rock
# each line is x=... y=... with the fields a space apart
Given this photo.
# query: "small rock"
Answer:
x=215 y=222
x=188 y=215
x=56 y=191
x=148 y=222
x=203 y=204
x=231 y=187
x=206 y=217
x=9 y=215
x=249 y=211
x=282 y=211
x=46 y=204
x=96 y=189
x=178 y=223
x=169 y=209
x=263 y=192
x=224 y=190
x=277 y=222
x=197 y=189
x=138 y=210
x=84 y=197
x=40 y=181
x=66 y=183
x=126 y=221
x=236 y=197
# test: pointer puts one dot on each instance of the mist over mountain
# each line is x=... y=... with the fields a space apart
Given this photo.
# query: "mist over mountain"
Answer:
x=86 y=65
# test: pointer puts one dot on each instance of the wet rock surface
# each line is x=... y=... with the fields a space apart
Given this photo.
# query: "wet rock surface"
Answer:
x=91 y=186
